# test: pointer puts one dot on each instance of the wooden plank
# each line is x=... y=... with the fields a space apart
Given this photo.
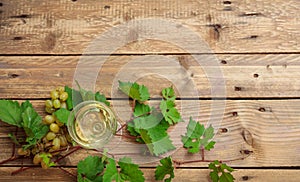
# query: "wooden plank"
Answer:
x=246 y=75
x=268 y=129
x=68 y=27
x=190 y=175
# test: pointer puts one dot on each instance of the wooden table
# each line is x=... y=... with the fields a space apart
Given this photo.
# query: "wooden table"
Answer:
x=257 y=44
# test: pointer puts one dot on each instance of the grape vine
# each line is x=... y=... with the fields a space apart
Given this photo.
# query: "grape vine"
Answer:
x=48 y=141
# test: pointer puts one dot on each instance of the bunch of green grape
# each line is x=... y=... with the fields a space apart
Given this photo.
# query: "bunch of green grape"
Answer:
x=58 y=100
x=58 y=137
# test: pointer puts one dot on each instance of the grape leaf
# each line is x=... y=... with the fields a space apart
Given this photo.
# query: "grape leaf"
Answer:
x=74 y=97
x=148 y=122
x=63 y=115
x=165 y=169
x=132 y=130
x=220 y=172
x=134 y=91
x=197 y=136
x=130 y=171
x=111 y=172
x=157 y=140
x=90 y=168
x=46 y=157
x=33 y=126
x=171 y=114
x=101 y=98
x=10 y=112
x=25 y=104
x=168 y=94
x=141 y=109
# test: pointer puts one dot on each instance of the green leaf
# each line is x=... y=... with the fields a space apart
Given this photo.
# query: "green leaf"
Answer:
x=197 y=136
x=141 y=109
x=214 y=176
x=111 y=172
x=168 y=94
x=132 y=130
x=74 y=97
x=10 y=112
x=25 y=104
x=130 y=171
x=90 y=168
x=33 y=126
x=157 y=140
x=171 y=114
x=226 y=177
x=165 y=169
x=220 y=172
x=46 y=157
x=134 y=91
x=148 y=122
x=63 y=115
x=101 y=98
x=210 y=145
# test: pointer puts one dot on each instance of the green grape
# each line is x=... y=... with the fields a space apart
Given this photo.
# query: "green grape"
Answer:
x=63 y=96
x=48 y=103
x=60 y=89
x=63 y=141
x=56 y=104
x=54 y=94
x=49 y=119
x=50 y=136
x=49 y=110
x=56 y=144
x=54 y=127
x=37 y=159
x=63 y=105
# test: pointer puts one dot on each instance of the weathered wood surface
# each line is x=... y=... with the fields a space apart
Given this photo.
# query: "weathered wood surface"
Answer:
x=244 y=75
x=258 y=58
x=68 y=27
x=189 y=175
x=268 y=129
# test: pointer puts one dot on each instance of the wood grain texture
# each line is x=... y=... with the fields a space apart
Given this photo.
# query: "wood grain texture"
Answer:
x=244 y=75
x=189 y=175
x=69 y=27
x=268 y=129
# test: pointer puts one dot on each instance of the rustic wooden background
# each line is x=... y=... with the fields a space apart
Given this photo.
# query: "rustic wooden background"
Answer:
x=257 y=43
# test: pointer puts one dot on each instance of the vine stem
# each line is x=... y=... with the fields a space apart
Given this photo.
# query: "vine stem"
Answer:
x=69 y=153
x=19 y=170
x=12 y=158
x=71 y=174
x=202 y=153
x=195 y=161
x=123 y=126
